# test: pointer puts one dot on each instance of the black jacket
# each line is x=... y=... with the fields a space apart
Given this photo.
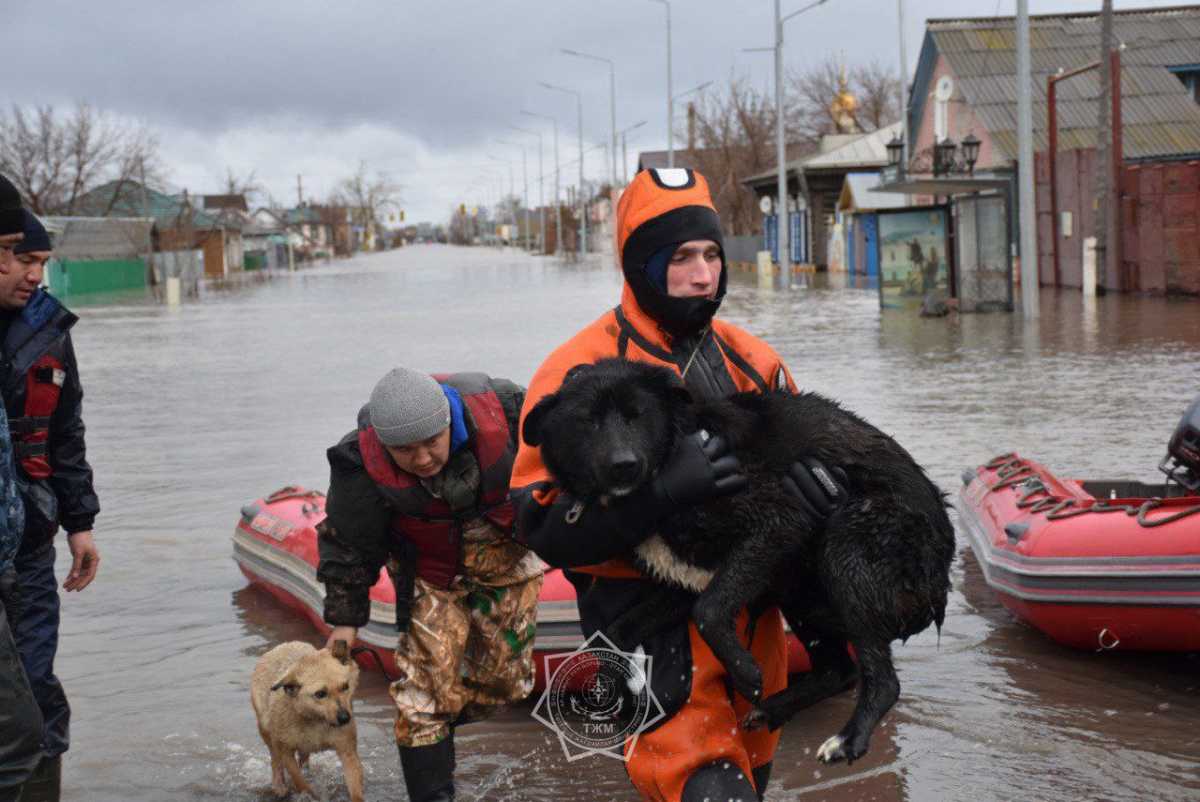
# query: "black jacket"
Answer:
x=67 y=498
x=355 y=539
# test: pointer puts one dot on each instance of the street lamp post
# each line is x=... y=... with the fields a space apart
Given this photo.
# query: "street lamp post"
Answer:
x=557 y=183
x=624 y=153
x=524 y=183
x=612 y=102
x=670 y=105
x=541 y=186
x=582 y=192
x=511 y=189
x=682 y=95
x=782 y=213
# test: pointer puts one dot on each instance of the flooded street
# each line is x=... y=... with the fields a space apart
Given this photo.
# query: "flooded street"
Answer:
x=193 y=412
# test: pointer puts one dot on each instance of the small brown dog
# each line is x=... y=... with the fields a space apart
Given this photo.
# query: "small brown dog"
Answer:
x=302 y=698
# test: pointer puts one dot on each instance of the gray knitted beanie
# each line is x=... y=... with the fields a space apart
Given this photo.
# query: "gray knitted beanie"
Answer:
x=408 y=406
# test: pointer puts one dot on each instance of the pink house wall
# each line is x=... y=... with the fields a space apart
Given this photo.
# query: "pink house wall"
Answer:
x=960 y=122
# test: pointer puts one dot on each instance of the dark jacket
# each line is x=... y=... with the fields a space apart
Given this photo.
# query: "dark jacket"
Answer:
x=356 y=540
x=67 y=497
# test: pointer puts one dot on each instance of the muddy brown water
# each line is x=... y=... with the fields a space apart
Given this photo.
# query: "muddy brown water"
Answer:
x=192 y=412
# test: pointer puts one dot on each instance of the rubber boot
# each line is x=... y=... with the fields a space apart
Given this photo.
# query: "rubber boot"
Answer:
x=720 y=780
x=429 y=771
x=45 y=784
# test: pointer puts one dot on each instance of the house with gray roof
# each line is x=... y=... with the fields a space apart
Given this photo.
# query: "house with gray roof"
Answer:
x=965 y=83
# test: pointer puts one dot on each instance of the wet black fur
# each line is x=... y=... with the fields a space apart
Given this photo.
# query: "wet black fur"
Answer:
x=877 y=572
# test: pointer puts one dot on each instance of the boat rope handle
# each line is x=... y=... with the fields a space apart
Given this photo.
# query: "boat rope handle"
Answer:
x=1113 y=643
x=1014 y=472
x=292 y=491
x=1155 y=503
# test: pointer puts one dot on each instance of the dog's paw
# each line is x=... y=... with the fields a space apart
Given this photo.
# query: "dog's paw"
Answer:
x=832 y=750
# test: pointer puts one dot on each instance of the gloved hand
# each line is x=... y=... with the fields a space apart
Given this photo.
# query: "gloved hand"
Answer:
x=818 y=489
x=701 y=468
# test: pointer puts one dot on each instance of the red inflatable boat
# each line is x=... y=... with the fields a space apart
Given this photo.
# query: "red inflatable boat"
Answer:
x=1093 y=564
x=275 y=545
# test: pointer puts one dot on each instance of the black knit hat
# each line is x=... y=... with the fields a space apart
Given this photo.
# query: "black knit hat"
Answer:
x=11 y=219
x=36 y=236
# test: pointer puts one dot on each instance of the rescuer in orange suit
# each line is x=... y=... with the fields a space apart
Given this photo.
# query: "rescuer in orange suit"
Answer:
x=669 y=246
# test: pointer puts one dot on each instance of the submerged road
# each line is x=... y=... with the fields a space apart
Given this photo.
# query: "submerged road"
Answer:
x=192 y=412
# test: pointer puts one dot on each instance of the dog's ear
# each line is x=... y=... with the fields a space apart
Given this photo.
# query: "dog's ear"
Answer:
x=673 y=387
x=578 y=369
x=289 y=682
x=531 y=429
x=341 y=651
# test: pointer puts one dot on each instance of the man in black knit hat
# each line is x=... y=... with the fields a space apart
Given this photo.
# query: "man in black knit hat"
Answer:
x=20 y=718
x=43 y=396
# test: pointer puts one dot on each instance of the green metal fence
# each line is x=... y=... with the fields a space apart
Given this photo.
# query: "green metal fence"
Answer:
x=75 y=277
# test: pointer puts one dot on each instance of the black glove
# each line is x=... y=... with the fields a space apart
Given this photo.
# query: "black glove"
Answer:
x=699 y=469
x=570 y=533
x=818 y=489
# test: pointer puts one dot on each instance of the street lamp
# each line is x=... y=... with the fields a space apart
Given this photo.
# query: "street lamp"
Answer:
x=557 y=183
x=943 y=156
x=524 y=183
x=624 y=153
x=612 y=102
x=541 y=186
x=511 y=189
x=670 y=105
x=970 y=146
x=895 y=150
x=780 y=145
x=582 y=193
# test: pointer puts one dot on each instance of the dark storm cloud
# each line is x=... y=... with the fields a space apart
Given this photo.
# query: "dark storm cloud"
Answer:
x=300 y=86
x=445 y=72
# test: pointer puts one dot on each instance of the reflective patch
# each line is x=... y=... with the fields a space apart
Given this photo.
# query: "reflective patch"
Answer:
x=672 y=177
x=59 y=377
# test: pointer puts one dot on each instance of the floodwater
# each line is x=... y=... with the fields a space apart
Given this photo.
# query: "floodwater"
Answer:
x=192 y=412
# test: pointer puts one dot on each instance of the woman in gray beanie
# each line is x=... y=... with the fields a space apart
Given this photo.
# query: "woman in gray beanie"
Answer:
x=421 y=486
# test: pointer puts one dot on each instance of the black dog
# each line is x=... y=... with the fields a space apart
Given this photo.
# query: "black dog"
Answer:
x=878 y=571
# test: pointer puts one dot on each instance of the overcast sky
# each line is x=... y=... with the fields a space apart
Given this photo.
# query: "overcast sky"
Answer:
x=421 y=88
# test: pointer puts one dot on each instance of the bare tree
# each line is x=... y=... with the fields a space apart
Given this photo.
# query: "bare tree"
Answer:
x=734 y=134
x=247 y=185
x=828 y=99
x=54 y=158
x=367 y=197
x=878 y=91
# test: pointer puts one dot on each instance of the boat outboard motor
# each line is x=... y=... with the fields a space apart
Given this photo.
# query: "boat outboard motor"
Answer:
x=1182 y=462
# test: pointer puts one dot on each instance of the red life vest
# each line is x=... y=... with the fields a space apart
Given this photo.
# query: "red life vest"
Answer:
x=427 y=522
x=31 y=431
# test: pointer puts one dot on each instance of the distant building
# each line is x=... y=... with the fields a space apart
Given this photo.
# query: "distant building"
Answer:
x=180 y=225
x=965 y=84
x=98 y=254
x=815 y=181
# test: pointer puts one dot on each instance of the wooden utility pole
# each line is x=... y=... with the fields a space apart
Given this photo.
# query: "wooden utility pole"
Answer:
x=1105 y=180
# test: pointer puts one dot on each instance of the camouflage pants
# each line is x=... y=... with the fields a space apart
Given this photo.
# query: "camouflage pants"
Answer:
x=469 y=649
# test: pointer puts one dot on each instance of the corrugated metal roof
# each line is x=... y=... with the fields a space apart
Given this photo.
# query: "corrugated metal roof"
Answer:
x=1160 y=118
x=861 y=150
x=99 y=237
x=856 y=195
